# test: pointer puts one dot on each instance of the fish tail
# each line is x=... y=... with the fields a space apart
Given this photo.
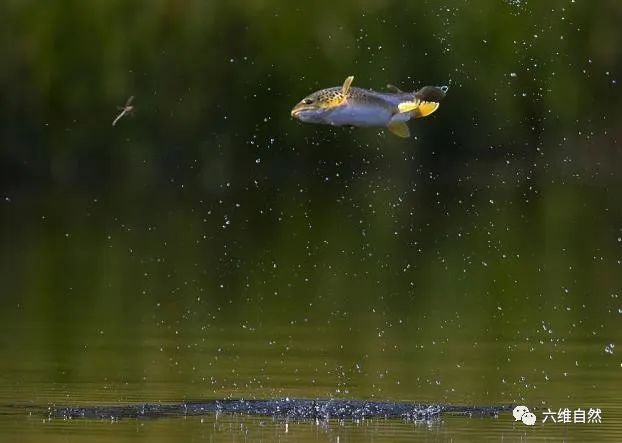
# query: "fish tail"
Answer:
x=429 y=97
x=431 y=93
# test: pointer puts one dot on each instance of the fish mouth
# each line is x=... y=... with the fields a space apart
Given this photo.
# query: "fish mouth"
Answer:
x=299 y=109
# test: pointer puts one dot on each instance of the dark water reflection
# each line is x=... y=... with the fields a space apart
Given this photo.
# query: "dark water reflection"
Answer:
x=108 y=304
x=210 y=247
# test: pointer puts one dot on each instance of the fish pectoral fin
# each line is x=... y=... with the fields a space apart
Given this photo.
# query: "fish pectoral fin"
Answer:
x=425 y=108
x=346 y=85
x=408 y=106
x=394 y=88
x=399 y=128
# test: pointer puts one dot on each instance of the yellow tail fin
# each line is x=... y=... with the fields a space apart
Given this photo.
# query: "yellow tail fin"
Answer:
x=426 y=101
x=418 y=108
x=424 y=109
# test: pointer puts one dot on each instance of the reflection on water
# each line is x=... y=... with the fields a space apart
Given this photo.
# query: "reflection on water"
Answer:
x=122 y=304
x=210 y=247
x=240 y=428
x=116 y=305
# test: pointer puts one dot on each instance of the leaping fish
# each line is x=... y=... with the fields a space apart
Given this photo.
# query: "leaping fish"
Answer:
x=350 y=106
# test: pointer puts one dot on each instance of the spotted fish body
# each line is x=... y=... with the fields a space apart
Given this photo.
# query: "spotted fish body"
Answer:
x=351 y=106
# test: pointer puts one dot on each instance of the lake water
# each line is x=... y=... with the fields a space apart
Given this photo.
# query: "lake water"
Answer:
x=111 y=306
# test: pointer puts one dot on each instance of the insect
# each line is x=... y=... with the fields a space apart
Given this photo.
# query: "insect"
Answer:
x=128 y=109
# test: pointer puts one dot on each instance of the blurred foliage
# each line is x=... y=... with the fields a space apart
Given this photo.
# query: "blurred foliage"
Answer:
x=214 y=81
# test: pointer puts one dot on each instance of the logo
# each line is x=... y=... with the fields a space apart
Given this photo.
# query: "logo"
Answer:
x=522 y=413
x=565 y=415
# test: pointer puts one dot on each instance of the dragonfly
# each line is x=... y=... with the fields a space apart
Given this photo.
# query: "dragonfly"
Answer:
x=125 y=110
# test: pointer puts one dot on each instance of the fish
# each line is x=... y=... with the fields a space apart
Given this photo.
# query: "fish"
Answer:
x=351 y=106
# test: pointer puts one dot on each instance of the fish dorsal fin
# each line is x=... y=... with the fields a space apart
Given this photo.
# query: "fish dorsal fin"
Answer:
x=394 y=88
x=346 y=85
x=399 y=128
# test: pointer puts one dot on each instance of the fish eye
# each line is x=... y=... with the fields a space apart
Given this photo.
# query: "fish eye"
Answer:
x=307 y=101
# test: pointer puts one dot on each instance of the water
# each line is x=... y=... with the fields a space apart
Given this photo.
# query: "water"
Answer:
x=137 y=319
x=209 y=247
